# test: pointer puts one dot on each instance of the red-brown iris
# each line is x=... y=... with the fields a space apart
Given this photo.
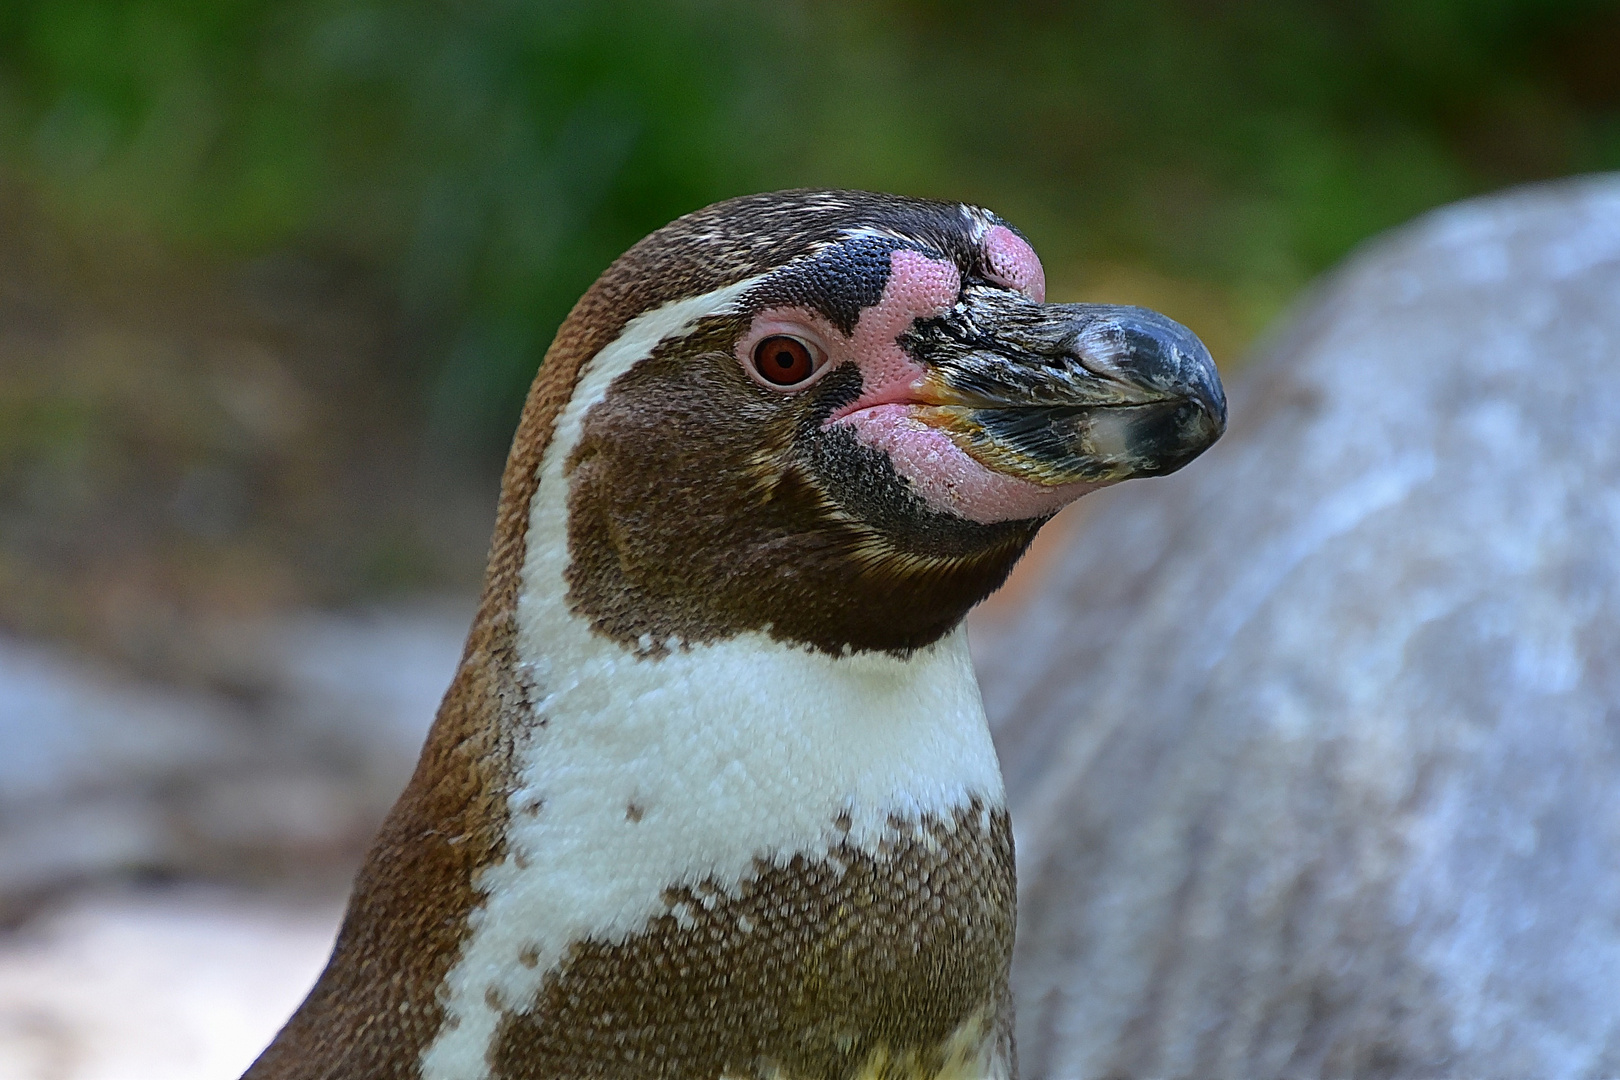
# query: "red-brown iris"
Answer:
x=784 y=361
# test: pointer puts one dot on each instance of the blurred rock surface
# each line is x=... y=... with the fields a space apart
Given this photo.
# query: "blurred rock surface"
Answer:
x=160 y=984
x=286 y=774
x=1314 y=748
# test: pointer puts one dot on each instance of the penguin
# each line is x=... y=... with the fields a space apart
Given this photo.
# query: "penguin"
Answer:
x=712 y=793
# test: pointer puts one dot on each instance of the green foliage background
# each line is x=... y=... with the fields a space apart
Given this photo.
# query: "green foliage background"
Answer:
x=485 y=159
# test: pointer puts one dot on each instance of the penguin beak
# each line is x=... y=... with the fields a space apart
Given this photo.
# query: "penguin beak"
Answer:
x=1066 y=393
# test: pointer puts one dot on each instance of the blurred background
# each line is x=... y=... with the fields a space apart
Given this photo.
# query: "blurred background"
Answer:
x=277 y=275
x=274 y=278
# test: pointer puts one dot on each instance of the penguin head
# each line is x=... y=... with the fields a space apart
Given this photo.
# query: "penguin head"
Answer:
x=839 y=418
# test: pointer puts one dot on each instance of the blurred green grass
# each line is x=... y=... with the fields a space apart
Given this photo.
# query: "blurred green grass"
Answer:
x=483 y=161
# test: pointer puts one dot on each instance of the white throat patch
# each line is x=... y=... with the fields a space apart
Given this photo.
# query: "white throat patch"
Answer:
x=639 y=774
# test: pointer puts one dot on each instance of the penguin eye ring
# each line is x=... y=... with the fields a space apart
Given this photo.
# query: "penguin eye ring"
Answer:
x=786 y=362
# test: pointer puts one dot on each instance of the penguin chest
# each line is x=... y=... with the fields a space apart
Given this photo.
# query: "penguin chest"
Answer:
x=888 y=962
x=740 y=860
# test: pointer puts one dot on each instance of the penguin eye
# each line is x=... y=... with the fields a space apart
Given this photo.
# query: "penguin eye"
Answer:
x=784 y=361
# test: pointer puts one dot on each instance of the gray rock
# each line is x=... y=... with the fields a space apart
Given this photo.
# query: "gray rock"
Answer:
x=285 y=766
x=1314 y=748
x=88 y=765
x=355 y=688
x=176 y=983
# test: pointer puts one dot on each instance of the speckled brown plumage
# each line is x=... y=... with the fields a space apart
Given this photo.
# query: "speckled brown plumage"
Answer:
x=814 y=968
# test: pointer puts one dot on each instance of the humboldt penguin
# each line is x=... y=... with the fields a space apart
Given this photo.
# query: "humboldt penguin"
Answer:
x=712 y=792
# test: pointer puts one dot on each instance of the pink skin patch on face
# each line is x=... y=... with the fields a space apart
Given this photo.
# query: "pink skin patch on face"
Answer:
x=1013 y=263
x=918 y=288
x=883 y=417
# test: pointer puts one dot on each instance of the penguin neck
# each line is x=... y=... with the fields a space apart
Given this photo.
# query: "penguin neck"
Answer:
x=677 y=763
